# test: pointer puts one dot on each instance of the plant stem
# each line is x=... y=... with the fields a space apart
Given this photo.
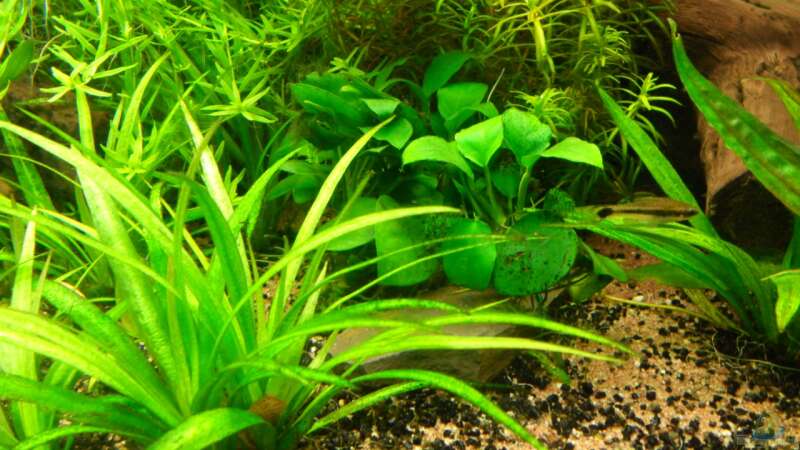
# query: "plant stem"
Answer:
x=496 y=211
x=522 y=193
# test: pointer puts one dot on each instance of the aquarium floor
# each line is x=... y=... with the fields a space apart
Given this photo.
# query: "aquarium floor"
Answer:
x=690 y=386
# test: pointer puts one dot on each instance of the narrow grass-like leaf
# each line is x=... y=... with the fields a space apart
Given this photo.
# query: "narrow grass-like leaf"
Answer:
x=203 y=430
x=366 y=401
x=376 y=347
x=100 y=411
x=105 y=329
x=43 y=336
x=19 y=361
x=772 y=159
x=41 y=439
x=30 y=181
x=132 y=286
x=463 y=391
x=310 y=223
x=789 y=96
x=525 y=320
x=226 y=250
x=661 y=169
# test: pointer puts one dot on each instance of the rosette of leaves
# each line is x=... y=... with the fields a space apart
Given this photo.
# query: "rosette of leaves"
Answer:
x=467 y=154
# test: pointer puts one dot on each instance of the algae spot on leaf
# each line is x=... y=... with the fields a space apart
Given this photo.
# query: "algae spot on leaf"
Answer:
x=538 y=259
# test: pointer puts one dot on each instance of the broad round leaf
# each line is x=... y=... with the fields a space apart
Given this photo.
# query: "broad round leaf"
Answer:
x=457 y=97
x=525 y=134
x=576 y=150
x=434 y=148
x=382 y=107
x=442 y=68
x=397 y=133
x=399 y=235
x=362 y=206
x=537 y=257
x=506 y=179
x=472 y=267
x=479 y=142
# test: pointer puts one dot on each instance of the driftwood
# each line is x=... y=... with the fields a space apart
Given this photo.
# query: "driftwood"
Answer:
x=733 y=42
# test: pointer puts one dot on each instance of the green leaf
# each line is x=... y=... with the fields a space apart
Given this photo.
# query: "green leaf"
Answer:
x=16 y=63
x=471 y=267
x=361 y=206
x=667 y=274
x=40 y=440
x=536 y=257
x=365 y=401
x=454 y=99
x=395 y=236
x=479 y=142
x=397 y=133
x=771 y=159
x=226 y=250
x=434 y=148
x=788 y=284
x=576 y=150
x=789 y=96
x=202 y=430
x=442 y=68
x=506 y=179
x=463 y=391
x=525 y=135
x=658 y=165
x=320 y=100
x=603 y=265
x=382 y=107
x=102 y=411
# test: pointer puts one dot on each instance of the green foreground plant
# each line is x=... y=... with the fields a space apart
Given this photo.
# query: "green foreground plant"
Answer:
x=193 y=352
x=764 y=302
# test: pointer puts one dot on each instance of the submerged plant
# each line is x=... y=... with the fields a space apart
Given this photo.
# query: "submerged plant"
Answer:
x=189 y=349
x=765 y=303
x=451 y=146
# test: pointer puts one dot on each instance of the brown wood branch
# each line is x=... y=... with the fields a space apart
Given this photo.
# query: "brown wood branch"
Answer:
x=734 y=42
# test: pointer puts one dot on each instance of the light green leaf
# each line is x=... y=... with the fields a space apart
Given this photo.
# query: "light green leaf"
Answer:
x=434 y=148
x=463 y=391
x=397 y=133
x=202 y=430
x=789 y=96
x=16 y=63
x=576 y=150
x=455 y=98
x=773 y=160
x=382 y=107
x=479 y=142
x=788 y=284
x=525 y=134
x=659 y=166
